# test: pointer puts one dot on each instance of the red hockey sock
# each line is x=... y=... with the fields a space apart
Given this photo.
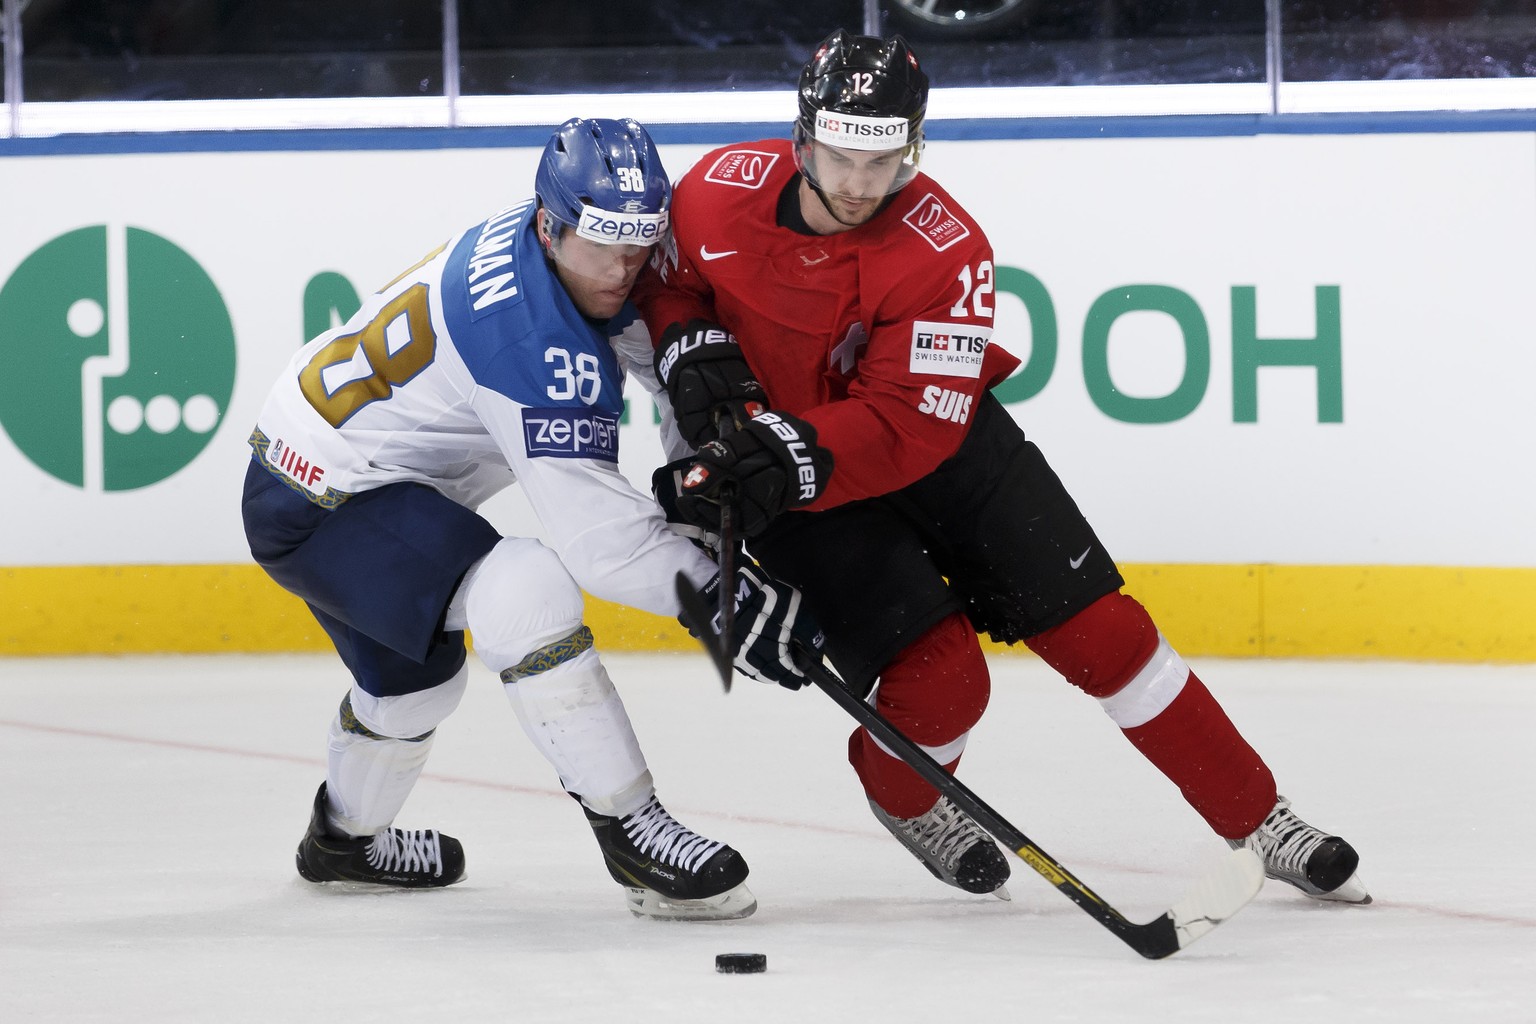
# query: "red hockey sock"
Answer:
x=1112 y=651
x=932 y=692
x=1194 y=743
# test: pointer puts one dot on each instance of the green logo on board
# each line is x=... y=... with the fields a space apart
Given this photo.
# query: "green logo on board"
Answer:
x=117 y=358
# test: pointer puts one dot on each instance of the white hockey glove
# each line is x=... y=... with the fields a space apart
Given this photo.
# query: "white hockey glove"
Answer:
x=771 y=623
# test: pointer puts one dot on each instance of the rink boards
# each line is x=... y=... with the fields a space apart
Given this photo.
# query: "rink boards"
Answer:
x=1281 y=363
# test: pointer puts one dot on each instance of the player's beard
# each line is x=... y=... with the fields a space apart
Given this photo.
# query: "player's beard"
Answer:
x=837 y=208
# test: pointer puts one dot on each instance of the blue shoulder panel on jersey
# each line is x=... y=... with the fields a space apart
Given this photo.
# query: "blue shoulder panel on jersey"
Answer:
x=521 y=336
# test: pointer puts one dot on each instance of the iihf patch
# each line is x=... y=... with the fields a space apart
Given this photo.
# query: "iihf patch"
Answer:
x=949 y=350
x=743 y=168
x=932 y=219
x=570 y=434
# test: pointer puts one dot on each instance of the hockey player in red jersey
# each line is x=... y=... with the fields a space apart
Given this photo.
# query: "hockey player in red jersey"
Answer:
x=829 y=280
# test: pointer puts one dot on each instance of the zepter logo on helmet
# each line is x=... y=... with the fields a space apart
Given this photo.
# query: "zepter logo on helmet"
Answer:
x=862 y=93
x=604 y=178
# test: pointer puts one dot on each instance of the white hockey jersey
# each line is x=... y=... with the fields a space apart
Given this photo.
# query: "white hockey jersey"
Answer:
x=472 y=371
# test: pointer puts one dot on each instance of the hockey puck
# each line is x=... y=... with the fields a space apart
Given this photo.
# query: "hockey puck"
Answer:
x=741 y=963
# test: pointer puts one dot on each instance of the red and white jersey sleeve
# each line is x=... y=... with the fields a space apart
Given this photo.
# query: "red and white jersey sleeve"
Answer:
x=880 y=336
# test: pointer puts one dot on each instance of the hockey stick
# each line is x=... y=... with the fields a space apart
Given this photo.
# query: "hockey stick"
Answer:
x=727 y=563
x=1213 y=899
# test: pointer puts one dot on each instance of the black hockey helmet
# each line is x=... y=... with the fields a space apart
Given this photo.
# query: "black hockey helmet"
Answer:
x=863 y=93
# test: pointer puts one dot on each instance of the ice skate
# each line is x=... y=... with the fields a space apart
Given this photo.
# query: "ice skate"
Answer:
x=1320 y=865
x=669 y=871
x=952 y=847
x=408 y=859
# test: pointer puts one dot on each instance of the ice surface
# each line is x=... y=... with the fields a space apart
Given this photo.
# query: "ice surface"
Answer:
x=151 y=807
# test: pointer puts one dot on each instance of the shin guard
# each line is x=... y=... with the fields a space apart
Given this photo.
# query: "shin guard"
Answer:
x=377 y=749
x=569 y=709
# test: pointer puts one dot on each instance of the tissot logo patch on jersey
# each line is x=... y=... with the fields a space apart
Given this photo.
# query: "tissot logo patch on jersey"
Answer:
x=932 y=219
x=570 y=434
x=950 y=350
x=744 y=168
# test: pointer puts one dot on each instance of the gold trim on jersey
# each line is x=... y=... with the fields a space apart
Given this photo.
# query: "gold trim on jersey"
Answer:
x=332 y=498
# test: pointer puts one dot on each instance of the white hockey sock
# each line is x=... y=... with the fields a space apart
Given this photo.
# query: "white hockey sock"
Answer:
x=369 y=770
x=569 y=709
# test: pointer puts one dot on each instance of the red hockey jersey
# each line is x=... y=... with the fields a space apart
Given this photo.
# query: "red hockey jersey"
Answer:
x=878 y=336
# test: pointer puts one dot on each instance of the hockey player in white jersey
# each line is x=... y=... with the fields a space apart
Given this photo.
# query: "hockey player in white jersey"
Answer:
x=499 y=358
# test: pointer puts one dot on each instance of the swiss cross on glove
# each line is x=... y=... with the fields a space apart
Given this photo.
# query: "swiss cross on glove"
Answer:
x=771 y=630
x=771 y=464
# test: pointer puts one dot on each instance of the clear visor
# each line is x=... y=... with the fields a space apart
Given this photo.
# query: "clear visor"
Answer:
x=855 y=171
x=599 y=261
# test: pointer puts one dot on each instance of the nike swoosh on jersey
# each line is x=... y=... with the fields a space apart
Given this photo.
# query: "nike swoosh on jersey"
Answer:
x=706 y=255
x=1075 y=562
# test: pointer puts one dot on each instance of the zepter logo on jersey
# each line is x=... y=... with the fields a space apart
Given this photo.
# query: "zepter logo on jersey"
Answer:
x=949 y=350
x=619 y=228
x=570 y=434
x=855 y=131
x=743 y=168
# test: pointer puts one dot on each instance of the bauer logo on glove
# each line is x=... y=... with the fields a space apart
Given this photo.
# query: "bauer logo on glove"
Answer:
x=770 y=465
x=707 y=379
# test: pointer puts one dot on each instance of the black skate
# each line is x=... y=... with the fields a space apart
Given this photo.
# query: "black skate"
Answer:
x=408 y=859
x=1320 y=865
x=952 y=846
x=667 y=870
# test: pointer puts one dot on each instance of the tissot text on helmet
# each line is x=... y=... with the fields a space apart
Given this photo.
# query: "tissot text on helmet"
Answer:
x=852 y=131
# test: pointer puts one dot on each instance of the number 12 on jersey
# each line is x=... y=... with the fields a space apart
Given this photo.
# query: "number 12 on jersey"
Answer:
x=974 y=293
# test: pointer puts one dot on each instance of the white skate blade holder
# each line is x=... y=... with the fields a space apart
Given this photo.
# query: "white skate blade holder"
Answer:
x=730 y=905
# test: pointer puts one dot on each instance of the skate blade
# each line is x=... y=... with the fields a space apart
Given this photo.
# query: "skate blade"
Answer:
x=1002 y=893
x=730 y=905
x=1352 y=892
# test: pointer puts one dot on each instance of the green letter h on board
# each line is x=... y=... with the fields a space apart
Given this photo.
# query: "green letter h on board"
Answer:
x=1324 y=352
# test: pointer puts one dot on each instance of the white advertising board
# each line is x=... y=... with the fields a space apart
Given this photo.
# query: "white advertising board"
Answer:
x=1163 y=277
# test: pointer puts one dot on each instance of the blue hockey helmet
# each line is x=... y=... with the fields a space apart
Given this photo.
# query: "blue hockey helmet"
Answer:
x=604 y=178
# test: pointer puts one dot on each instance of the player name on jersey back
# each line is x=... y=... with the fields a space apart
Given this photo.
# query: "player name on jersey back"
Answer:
x=494 y=252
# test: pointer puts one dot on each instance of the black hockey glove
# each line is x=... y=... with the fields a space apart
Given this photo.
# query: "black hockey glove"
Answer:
x=708 y=380
x=770 y=465
x=666 y=485
x=771 y=624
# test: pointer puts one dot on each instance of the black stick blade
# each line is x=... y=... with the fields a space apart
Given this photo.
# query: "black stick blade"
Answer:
x=700 y=621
